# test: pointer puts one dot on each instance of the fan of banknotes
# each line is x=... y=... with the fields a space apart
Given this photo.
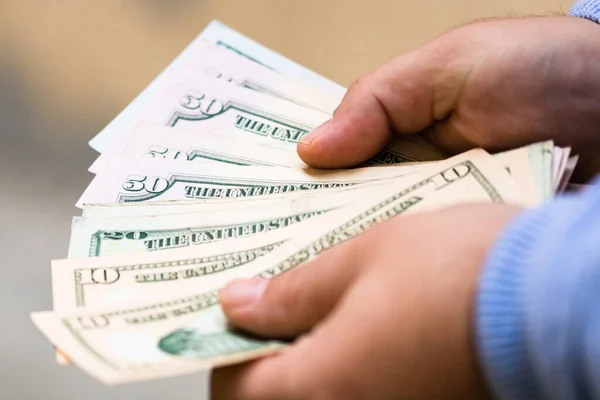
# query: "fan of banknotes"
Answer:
x=198 y=183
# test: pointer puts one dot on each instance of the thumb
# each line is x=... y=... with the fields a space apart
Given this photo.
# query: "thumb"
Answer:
x=291 y=304
x=401 y=97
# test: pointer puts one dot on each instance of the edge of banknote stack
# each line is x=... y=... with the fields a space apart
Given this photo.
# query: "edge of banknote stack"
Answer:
x=198 y=183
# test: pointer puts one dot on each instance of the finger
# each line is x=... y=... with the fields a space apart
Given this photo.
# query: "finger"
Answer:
x=326 y=364
x=312 y=368
x=295 y=301
x=452 y=136
x=404 y=96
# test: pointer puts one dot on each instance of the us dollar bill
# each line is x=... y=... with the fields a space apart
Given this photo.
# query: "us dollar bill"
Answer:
x=218 y=62
x=96 y=237
x=570 y=166
x=521 y=167
x=560 y=158
x=146 y=180
x=166 y=143
x=541 y=155
x=145 y=341
x=157 y=208
x=225 y=38
x=199 y=103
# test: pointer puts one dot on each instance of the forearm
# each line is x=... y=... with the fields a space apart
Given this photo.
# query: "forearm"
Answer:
x=537 y=319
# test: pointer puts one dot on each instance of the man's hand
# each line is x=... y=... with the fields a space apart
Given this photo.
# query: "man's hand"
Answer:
x=386 y=315
x=498 y=85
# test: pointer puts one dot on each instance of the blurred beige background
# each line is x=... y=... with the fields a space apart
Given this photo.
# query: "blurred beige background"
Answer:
x=68 y=67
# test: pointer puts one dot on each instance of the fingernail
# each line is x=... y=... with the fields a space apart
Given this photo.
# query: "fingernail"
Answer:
x=315 y=133
x=243 y=292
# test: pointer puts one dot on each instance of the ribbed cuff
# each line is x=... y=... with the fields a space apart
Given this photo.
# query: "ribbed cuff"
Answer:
x=588 y=9
x=500 y=309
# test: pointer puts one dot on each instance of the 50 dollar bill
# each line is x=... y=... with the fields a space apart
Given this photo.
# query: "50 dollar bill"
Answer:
x=144 y=180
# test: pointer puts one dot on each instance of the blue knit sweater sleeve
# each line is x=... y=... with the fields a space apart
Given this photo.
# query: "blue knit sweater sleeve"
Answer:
x=589 y=9
x=538 y=306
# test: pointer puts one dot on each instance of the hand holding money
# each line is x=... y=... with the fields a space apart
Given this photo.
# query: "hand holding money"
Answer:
x=380 y=291
x=199 y=185
x=461 y=92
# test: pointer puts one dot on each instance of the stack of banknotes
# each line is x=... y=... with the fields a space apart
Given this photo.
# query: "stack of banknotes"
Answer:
x=199 y=183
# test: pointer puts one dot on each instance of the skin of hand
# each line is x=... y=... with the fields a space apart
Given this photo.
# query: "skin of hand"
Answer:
x=496 y=84
x=385 y=315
